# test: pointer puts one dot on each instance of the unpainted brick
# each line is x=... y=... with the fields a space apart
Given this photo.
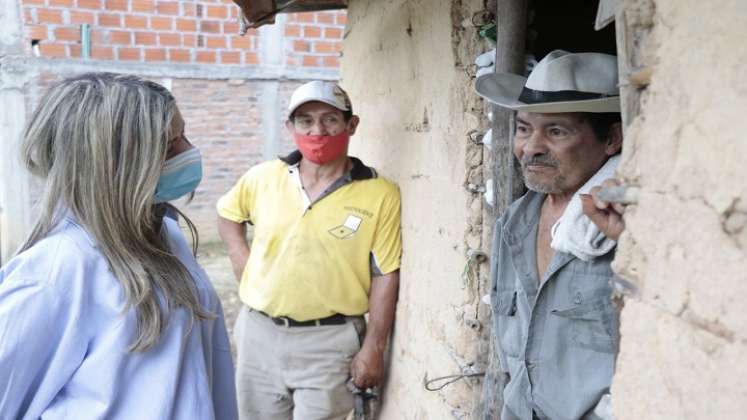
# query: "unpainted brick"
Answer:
x=179 y=55
x=61 y=3
x=109 y=20
x=53 y=49
x=333 y=33
x=310 y=31
x=326 y=18
x=169 y=39
x=161 y=23
x=327 y=47
x=120 y=37
x=155 y=54
x=217 y=12
x=102 y=53
x=38 y=32
x=186 y=25
x=145 y=38
x=310 y=61
x=206 y=56
x=241 y=42
x=251 y=58
x=67 y=34
x=167 y=8
x=78 y=17
x=230 y=57
x=211 y=26
x=99 y=37
x=135 y=22
x=306 y=17
x=331 y=61
x=129 y=54
x=230 y=28
x=216 y=42
x=301 y=46
x=144 y=6
x=75 y=50
x=189 y=40
x=117 y=5
x=292 y=30
x=44 y=15
x=189 y=9
x=90 y=4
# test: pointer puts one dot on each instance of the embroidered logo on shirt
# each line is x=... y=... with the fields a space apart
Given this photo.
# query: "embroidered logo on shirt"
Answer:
x=347 y=229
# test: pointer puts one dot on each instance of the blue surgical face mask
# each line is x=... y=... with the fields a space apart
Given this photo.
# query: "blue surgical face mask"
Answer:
x=180 y=176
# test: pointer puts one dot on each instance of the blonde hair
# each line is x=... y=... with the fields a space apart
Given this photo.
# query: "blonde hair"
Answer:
x=100 y=140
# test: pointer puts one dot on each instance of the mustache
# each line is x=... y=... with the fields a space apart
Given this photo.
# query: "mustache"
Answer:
x=544 y=159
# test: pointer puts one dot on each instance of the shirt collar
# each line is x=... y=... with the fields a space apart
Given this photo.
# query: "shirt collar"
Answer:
x=359 y=171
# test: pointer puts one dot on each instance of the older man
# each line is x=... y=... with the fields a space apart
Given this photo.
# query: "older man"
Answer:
x=555 y=324
x=326 y=250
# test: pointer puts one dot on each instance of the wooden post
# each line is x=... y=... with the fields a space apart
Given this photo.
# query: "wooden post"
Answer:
x=511 y=26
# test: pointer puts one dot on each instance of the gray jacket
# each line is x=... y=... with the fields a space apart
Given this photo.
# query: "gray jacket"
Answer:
x=557 y=342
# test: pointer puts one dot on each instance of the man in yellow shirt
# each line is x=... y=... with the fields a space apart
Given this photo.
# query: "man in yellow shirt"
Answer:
x=326 y=250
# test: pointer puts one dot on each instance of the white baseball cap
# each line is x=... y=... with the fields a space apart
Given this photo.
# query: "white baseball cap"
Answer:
x=328 y=92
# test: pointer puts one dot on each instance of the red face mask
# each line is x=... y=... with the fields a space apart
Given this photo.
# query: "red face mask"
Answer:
x=322 y=149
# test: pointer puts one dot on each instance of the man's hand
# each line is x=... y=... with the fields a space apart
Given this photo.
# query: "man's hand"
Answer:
x=367 y=369
x=607 y=216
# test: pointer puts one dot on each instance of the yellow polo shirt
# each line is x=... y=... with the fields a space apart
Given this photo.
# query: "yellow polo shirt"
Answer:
x=313 y=260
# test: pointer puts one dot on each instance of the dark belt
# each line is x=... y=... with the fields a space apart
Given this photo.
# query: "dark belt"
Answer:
x=290 y=322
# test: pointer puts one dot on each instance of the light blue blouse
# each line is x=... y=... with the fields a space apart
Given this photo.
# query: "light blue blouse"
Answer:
x=64 y=339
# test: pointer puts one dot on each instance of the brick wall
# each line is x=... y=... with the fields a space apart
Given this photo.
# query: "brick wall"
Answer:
x=226 y=127
x=225 y=117
x=204 y=32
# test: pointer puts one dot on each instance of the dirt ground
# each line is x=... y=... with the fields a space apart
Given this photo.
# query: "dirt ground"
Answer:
x=213 y=258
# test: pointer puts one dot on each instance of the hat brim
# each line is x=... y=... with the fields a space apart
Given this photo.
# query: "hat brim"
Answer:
x=503 y=89
x=292 y=109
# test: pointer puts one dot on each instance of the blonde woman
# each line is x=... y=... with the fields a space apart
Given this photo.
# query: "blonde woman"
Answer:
x=104 y=312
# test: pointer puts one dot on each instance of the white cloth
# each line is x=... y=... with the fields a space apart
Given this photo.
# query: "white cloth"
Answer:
x=575 y=233
x=485 y=59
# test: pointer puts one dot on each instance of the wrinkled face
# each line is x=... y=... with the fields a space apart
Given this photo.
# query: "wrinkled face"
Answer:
x=178 y=142
x=319 y=118
x=558 y=152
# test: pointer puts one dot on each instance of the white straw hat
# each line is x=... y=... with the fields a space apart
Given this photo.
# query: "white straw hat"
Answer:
x=328 y=92
x=561 y=82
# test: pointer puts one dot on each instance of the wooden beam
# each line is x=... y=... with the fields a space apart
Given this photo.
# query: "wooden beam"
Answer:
x=511 y=26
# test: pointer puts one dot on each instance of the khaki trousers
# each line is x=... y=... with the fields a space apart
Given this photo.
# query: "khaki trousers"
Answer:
x=285 y=373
